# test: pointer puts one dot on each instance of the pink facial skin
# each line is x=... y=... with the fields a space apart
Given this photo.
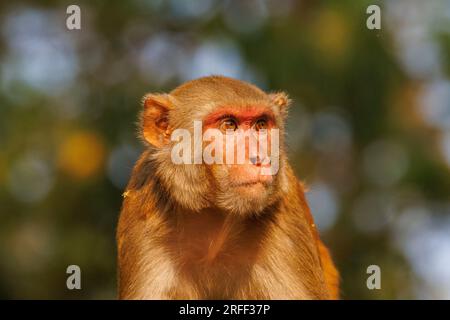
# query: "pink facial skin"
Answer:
x=248 y=174
x=245 y=118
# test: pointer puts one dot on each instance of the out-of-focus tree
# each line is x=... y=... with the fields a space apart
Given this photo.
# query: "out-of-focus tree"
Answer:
x=369 y=131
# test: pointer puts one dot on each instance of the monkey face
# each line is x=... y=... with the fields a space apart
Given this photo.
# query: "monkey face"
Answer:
x=216 y=143
x=246 y=150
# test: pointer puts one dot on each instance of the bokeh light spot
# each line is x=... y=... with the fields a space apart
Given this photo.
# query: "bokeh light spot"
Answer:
x=30 y=178
x=82 y=155
x=324 y=205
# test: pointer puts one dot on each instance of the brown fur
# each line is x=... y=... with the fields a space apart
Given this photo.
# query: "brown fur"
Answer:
x=179 y=239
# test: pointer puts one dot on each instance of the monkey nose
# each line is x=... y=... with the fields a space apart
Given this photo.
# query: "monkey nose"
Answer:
x=258 y=161
x=255 y=160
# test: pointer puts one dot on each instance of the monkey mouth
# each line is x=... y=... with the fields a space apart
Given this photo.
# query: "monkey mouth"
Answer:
x=247 y=184
x=251 y=183
x=247 y=179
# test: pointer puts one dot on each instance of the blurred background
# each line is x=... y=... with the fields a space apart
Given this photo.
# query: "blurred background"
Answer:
x=369 y=130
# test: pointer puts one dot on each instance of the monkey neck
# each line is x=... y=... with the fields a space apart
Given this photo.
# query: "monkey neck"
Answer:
x=211 y=235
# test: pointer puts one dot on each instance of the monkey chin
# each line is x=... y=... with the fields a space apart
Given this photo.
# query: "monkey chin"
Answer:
x=246 y=199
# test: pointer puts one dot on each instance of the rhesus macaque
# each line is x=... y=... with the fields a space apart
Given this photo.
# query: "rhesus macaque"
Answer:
x=220 y=230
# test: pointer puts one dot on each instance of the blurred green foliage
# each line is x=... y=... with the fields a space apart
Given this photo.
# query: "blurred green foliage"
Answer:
x=369 y=130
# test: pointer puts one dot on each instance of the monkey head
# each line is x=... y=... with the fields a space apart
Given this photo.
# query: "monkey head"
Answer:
x=217 y=142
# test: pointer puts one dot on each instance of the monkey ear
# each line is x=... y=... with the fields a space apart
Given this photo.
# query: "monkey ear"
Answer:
x=155 y=119
x=281 y=100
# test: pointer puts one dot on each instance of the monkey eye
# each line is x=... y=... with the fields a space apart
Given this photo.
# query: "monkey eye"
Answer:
x=228 y=124
x=261 y=124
